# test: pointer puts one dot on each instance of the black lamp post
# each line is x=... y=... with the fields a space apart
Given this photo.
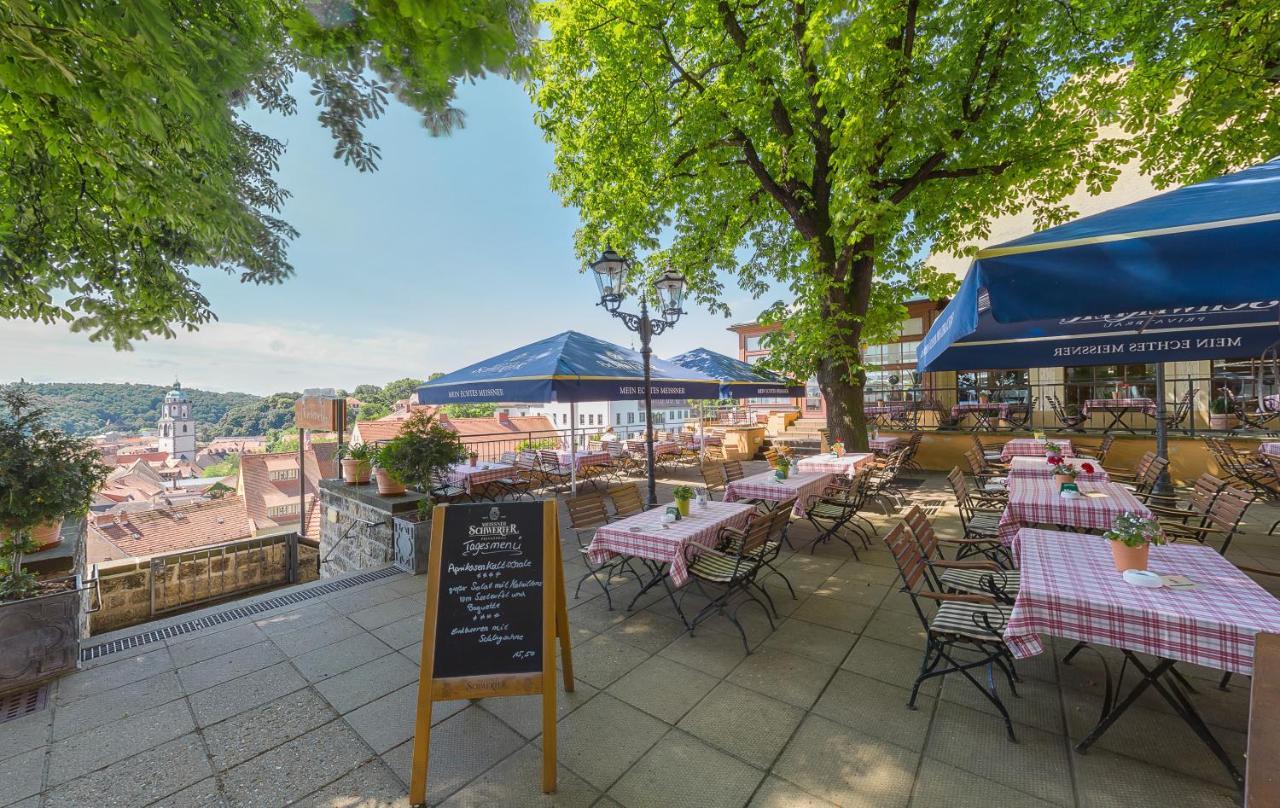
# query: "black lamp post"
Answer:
x=611 y=270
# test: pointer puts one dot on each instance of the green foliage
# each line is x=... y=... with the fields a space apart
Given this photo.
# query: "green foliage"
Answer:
x=422 y=452
x=263 y=416
x=223 y=469
x=1134 y=531
x=45 y=475
x=90 y=409
x=470 y=410
x=682 y=492
x=824 y=147
x=127 y=163
x=372 y=411
x=362 y=452
x=535 y=445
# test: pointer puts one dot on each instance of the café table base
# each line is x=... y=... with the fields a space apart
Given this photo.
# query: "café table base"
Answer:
x=659 y=571
x=1170 y=685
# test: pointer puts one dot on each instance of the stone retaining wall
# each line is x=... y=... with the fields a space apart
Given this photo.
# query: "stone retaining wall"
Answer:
x=357 y=529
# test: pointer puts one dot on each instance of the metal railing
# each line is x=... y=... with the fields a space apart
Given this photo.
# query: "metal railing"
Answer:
x=191 y=577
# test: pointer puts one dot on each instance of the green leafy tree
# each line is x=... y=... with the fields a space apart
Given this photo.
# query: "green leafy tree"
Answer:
x=127 y=162
x=223 y=469
x=470 y=410
x=45 y=475
x=824 y=147
x=399 y=389
x=372 y=411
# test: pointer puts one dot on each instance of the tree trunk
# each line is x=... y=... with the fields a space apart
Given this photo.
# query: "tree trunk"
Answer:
x=847 y=302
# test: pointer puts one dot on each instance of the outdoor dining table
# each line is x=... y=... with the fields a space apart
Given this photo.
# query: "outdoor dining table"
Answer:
x=1069 y=588
x=1118 y=408
x=847 y=465
x=643 y=536
x=1269 y=447
x=584 y=459
x=982 y=413
x=884 y=444
x=660 y=447
x=1027 y=466
x=1033 y=447
x=766 y=486
x=1037 y=501
x=473 y=478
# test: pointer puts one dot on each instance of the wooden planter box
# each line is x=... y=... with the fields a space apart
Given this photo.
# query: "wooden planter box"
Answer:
x=41 y=636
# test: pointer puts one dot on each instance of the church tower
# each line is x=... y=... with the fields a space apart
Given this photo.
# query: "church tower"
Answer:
x=177 y=425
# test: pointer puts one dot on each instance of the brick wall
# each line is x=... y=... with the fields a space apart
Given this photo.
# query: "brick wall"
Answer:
x=194 y=578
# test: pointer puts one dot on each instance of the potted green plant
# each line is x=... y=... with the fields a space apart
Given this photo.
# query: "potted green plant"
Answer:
x=783 y=466
x=45 y=477
x=1063 y=472
x=422 y=453
x=473 y=458
x=1221 y=416
x=357 y=463
x=389 y=483
x=1052 y=449
x=984 y=397
x=1131 y=537
x=682 y=494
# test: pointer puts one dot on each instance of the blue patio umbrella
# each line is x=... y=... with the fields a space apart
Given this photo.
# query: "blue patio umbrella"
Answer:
x=1193 y=269
x=737 y=378
x=567 y=368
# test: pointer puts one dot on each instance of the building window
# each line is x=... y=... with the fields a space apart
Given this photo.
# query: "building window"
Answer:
x=631 y=418
x=582 y=419
x=619 y=416
x=642 y=418
x=184 y=428
x=1241 y=377
x=812 y=396
x=1102 y=381
x=891 y=385
x=282 y=510
x=913 y=327
x=1000 y=385
x=752 y=342
x=283 y=474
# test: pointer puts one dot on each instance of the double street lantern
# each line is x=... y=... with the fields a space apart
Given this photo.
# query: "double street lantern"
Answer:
x=611 y=271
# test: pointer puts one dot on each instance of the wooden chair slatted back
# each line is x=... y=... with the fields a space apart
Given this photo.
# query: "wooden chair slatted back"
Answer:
x=1229 y=508
x=626 y=499
x=587 y=511
x=713 y=476
x=923 y=530
x=906 y=554
x=733 y=470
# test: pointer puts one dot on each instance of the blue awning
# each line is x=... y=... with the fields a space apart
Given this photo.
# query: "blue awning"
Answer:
x=1212 y=244
x=737 y=378
x=566 y=368
x=1170 y=335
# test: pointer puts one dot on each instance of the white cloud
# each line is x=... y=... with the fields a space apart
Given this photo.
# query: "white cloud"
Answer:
x=225 y=356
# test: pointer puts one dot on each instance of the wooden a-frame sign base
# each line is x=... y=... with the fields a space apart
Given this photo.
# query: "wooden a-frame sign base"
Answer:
x=555 y=624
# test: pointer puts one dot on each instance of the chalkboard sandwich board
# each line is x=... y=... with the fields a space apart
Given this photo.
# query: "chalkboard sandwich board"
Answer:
x=495 y=607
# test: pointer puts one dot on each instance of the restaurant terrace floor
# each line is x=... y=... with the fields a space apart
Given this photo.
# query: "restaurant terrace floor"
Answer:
x=312 y=704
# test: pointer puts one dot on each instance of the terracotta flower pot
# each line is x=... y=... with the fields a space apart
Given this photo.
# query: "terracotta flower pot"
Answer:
x=47 y=535
x=683 y=505
x=472 y=459
x=1129 y=558
x=1059 y=479
x=356 y=472
x=388 y=486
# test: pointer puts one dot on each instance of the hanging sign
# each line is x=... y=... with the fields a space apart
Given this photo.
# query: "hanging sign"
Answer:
x=495 y=607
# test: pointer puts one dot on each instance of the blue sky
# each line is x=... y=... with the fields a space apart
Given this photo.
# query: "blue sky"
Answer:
x=456 y=249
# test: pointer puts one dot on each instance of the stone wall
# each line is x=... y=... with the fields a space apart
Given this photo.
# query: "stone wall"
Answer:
x=195 y=578
x=357 y=530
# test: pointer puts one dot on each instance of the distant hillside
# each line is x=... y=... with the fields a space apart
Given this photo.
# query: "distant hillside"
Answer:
x=90 y=409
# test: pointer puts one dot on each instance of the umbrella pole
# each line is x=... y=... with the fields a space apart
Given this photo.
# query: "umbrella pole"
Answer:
x=702 y=433
x=1162 y=488
x=573 y=448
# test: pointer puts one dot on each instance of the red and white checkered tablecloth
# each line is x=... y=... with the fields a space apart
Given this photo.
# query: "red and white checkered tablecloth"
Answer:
x=768 y=487
x=883 y=444
x=660 y=447
x=1069 y=588
x=1002 y=408
x=472 y=478
x=585 y=458
x=1112 y=404
x=1033 y=447
x=643 y=536
x=1036 y=501
x=847 y=465
x=1027 y=466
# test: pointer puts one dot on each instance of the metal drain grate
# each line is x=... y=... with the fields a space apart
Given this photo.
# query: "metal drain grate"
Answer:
x=23 y=702
x=235 y=613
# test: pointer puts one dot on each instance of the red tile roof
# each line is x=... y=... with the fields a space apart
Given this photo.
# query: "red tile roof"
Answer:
x=261 y=493
x=164 y=530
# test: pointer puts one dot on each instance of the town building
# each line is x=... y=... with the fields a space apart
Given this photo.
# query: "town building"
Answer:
x=270 y=483
x=625 y=417
x=177 y=425
x=166 y=529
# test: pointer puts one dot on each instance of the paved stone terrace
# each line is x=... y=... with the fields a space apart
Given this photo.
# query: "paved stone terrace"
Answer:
x=314 y=706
